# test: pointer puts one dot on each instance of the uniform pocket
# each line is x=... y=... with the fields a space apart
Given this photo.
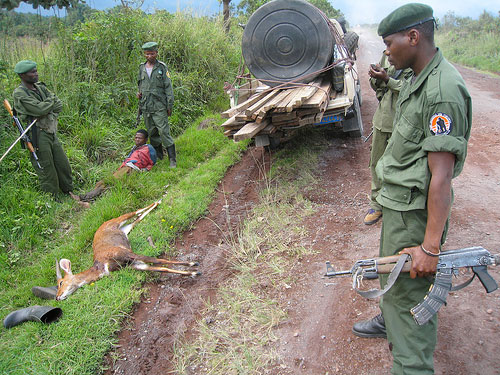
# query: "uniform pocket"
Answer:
x=407 y=139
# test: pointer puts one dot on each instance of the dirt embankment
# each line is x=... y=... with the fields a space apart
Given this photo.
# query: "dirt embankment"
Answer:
x=317 y=338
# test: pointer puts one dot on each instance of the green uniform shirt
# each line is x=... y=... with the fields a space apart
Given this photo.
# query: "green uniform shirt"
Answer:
x=387 y=95
x=40 y=104
x=157 y=92
x=433 y=114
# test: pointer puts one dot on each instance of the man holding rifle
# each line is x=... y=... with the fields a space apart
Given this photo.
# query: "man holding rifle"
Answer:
x=32 y=100
x=427 y=149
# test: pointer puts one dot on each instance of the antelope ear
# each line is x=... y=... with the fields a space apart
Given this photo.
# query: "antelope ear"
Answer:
x=66 y=265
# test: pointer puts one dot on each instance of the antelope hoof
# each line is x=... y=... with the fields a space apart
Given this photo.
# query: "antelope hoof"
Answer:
x=194 y=264
x=194 y=274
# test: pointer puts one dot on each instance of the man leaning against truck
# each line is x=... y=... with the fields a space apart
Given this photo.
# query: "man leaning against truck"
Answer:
x=427 y=149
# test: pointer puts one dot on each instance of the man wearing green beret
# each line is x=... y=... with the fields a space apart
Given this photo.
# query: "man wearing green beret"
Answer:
x=427 y=149
x=386 y=81
x=156 y=99
x=33 y=100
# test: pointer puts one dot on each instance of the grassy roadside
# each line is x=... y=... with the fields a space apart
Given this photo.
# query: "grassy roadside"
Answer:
x=77 y=343
x=235 y=332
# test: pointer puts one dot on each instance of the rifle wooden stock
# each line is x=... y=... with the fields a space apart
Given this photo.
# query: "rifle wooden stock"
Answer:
x=19 y=127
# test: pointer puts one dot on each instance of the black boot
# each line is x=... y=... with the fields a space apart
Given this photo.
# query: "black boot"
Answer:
x=44 y=314
x=374 y=327
x=171 y=156
x=159 y=151
x=45 y=292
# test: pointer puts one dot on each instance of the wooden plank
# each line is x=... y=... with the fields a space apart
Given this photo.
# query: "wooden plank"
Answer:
x=284 y=116
x=249 y=130
x=320 y=96
x=303 y=95
x=281 y=106
x=272 y=103
x=287 y=123
x=256 y=106
x=269 y=129
x=241 y=107
x=232 y=122
x=307 y=120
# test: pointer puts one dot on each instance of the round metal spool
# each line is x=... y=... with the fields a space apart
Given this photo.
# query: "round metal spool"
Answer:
x=285 y=40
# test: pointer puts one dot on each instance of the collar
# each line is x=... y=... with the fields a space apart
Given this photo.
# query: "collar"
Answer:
x=435 y=61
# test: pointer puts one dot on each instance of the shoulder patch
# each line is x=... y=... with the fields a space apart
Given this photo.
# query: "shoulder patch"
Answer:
x=440 y=124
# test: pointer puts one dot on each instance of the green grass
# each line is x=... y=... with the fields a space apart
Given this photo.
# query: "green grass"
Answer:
x=481 y=51
x=235 y=334
x=77 y=343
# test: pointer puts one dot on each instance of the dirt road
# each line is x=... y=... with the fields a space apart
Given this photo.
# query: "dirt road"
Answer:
x=317 y=338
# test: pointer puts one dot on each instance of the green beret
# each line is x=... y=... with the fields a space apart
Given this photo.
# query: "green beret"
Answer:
x=405 y=17
x=24 y=66
x=150 y=46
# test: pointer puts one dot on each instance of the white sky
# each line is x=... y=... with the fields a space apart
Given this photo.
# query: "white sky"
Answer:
x=356 y=11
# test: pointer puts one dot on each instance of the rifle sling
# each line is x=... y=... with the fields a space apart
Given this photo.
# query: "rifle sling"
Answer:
x=374 y=293
x=463 y=285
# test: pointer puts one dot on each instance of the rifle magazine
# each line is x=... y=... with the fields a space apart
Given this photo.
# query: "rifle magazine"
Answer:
x=435 y=298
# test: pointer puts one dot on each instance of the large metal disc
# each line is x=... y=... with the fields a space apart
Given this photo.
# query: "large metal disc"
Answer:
x=285 y=40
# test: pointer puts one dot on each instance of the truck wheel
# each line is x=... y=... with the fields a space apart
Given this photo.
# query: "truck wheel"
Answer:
x=274 y=142
x=354 y=125
x=358 y=92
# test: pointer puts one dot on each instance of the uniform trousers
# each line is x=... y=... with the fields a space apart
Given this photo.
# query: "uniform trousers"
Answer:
x=56 y=172
x=379 y=144
x=412 y=345
x=158 y=129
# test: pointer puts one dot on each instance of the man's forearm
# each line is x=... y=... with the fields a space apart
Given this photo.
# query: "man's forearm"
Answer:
x=438 y=199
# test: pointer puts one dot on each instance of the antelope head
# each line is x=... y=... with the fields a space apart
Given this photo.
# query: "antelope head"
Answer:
x=68 y=284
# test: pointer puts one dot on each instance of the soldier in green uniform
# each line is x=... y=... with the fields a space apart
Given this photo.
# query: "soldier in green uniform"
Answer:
x=427 y=149
x=386 y=81
x=156 y=99
x=32 y=100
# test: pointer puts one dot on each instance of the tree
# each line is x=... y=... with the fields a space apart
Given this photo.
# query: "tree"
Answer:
x=327 y=8
x=46 y=4
x=247 y=7
x=225 y=13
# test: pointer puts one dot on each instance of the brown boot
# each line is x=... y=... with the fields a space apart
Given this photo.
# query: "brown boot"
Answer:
x=372 y=216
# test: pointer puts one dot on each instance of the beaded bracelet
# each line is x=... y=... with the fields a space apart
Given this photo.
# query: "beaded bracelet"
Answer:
x=429 y=253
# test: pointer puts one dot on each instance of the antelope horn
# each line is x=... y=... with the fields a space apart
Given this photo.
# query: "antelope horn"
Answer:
x=58 y=270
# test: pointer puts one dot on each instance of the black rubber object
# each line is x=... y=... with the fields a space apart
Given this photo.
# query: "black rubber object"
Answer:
x=285 y=40
x=43 y=314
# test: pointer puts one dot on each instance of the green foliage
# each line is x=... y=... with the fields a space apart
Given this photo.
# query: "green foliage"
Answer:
x=94 y=313
x=247 y=7
x=471 y=42
x=11 y=4
x=92 y=67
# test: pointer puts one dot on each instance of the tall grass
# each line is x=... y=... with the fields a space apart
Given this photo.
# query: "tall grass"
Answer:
x=93 y=70
x=471 y=42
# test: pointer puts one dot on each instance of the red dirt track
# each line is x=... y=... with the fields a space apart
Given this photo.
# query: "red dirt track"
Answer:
x=316 y=339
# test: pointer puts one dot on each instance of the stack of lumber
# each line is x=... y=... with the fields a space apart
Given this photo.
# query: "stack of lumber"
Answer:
x=267 y=111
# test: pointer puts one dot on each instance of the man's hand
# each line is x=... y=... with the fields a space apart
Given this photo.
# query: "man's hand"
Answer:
x=169 y=112
x=421 y=264
x=139 y=95
x=378 y=72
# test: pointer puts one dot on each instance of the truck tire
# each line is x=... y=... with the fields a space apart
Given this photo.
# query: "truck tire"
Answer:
x=351 y=42
x=354 y=125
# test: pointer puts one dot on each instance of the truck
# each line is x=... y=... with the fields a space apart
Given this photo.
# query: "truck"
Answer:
x=284 y=48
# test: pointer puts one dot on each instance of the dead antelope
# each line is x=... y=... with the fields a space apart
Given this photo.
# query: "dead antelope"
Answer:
x=111 y=252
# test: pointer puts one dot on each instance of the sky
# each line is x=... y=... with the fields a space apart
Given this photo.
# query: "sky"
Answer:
x=356 y=11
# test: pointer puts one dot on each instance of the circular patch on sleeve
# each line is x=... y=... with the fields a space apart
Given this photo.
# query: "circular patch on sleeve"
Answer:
x=440 y=124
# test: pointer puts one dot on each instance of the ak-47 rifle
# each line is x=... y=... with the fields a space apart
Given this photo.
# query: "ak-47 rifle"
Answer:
x=23 y=133
x=477 y=258
x=138 y=118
